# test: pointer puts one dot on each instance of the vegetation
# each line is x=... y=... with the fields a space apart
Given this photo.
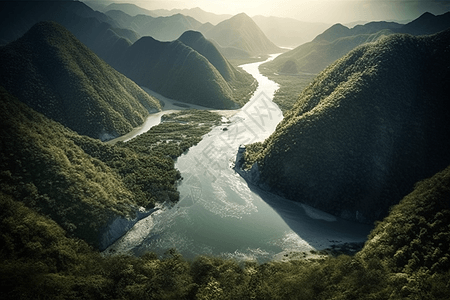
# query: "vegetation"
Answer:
x=291 y=86
x=176 y=70
x=82 y=183
x=295 y=69
x=242 y=84
x=406 y=257
x=55 y=74
x=365 y=130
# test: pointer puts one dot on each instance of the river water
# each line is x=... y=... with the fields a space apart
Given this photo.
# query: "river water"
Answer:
x=220 y=214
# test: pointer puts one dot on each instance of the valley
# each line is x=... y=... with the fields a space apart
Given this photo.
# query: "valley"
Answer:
x=252 y=151
x=220 y=214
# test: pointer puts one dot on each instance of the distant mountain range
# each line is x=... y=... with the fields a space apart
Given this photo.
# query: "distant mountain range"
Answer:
x=338 y=40
x=365 y=130
x=160 y=28
x=128 y=8
x=197 y=13
x=114 y=45
x=241 y=32
x=236 y=37
x=55 y=74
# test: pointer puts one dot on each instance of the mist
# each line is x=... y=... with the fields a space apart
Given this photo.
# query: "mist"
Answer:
x=325 y=11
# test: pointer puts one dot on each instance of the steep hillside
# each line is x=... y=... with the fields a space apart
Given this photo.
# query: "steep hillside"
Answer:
x=414 y=238
x=160 y=28
x=43 y=168
x=367 y=128
x=55 y=74
x=241 y=83
x=241 y=32
x=92 y=189
x=177 y=71
x=338 y=40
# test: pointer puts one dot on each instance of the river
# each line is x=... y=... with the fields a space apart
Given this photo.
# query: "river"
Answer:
x=220 y=214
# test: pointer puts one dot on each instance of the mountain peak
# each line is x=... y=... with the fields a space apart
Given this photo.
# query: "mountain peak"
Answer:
x=68 y=83
x=334 y=32
x=191 y=35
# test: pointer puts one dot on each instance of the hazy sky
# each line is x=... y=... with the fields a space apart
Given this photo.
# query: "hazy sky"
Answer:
x=329 y=11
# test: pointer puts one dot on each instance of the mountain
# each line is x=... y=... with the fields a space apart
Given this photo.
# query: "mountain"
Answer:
x=196 y=13
x=339 y=31
x=112 y=45
x=414 y=237
x=427 y=24
x=129 y=9
x=55 y=74
x=177 y=71
x=94 y=29
x=43 y=168
x=197 y=41
x=338 y=40
x=242 y=33
x=287 y=32
x=364 y=131
x=160 y=28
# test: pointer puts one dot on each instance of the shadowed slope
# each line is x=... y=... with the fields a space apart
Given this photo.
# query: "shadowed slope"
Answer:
x=55 y=74
x=368 y=127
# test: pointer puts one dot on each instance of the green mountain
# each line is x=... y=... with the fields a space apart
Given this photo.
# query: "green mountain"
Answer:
x=413 y=241
x=241 y=32
x=43 y=168
x=364 y=131
x=160 y=28
x=240 y=82
x=338 y=40
x=55 y=74
x=177 y=71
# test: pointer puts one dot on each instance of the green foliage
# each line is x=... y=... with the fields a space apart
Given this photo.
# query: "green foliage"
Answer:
x=82 y=183
x=68 y=83
x=365 y=130
x=37 y=260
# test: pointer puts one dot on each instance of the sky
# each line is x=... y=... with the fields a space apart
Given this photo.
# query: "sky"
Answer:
x=327 y=11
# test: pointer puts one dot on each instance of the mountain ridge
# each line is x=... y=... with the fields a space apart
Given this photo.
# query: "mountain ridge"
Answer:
x=338 y=40
x=347 y=135
x=75 y=87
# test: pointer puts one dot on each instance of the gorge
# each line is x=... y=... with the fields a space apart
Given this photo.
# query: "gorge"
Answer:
x=220 y=214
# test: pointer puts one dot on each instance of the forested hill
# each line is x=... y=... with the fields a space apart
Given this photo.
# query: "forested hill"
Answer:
x=177 y=71
x=110 y=42
x=338 y=40
x=43 y=168
x=199 y=43
x=55 y=74
x=365 y=130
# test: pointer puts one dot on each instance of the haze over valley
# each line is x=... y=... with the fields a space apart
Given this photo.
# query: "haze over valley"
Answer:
x=224 y=149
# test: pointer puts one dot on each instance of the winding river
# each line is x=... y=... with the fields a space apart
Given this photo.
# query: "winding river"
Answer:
x=220 y=214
